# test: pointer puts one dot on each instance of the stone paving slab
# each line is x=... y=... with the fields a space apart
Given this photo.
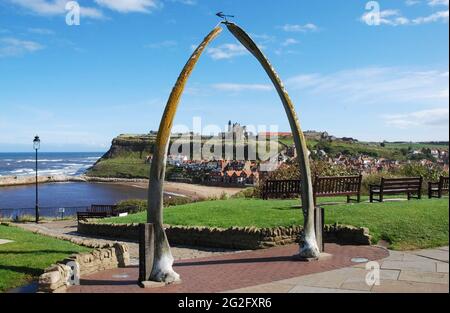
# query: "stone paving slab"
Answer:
x=397 y=286
x=429 y=276
x=306 y=289
x=4 y=241
x=435 y=254
x=422 y=277
x=442 y=267
x=421 y=266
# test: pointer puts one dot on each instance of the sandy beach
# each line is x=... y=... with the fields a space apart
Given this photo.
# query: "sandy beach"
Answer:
x=195 y=192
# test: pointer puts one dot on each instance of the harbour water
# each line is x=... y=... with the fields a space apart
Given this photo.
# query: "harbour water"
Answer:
x=57 y=199
x=63 y=198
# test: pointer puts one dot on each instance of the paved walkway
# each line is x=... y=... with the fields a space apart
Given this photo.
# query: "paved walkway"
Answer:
x=273 y=270
x=232 y=271
x=401 y=272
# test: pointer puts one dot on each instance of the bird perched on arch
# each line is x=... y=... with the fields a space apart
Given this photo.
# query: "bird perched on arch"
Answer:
x=224 y=16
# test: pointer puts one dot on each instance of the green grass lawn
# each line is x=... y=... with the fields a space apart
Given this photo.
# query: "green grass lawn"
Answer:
x=26 y=258
x=405 y=225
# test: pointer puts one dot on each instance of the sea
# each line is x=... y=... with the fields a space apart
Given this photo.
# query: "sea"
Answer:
x=57 y=199
x=49 y=163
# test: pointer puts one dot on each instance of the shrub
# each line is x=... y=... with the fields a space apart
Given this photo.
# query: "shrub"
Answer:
x=136 y=205
x=247 y=193
x=372 y=179
x=428 y=172
x=132 y=206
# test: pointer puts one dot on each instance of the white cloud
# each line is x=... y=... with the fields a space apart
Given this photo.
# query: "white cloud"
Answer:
x=289 y=42
x=386 y=17
x=226 y=51
x=396 y=18
x=437 y=117
x=127 y=6
x=299 y=28
x=55 y=7
x=242 y=87
x=187 y=2
x=412 y=2
x=15 y=47
x=441 y=16
x=377 y=86
x=434 y=3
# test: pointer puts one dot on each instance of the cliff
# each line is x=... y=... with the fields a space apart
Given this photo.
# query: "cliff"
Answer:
x=126 y=158
x=124 y=145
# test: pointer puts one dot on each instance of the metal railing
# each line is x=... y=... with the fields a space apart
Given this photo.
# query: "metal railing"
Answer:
x=44 y=212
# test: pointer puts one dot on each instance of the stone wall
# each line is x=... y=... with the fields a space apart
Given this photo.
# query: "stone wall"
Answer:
x=57 y=277
x=250 y=238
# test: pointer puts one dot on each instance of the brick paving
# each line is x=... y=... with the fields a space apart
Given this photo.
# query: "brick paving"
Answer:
x=230 y=272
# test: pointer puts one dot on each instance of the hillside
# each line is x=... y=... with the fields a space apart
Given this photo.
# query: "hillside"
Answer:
x=127 y=157
x=128 y=153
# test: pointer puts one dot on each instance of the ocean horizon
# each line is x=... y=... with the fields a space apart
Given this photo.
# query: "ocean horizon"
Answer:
x=49 y=163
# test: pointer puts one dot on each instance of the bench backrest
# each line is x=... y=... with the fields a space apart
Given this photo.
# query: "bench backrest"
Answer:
x=443 y=183
x=282 y=186
x=409 y=183
x=103 y=208
x=339 y=185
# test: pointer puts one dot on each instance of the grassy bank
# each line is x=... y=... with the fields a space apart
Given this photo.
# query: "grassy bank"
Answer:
x=24 y=259
x=121 y=167
x=405 y=225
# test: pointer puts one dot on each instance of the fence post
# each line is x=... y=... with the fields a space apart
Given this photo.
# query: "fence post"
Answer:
x=319 y=223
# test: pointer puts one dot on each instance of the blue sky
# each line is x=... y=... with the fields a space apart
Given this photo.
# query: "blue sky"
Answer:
x=80 y=86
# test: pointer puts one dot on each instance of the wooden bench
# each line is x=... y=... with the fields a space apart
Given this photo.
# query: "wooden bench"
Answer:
x=396 y=186
x=322 y=187
x=281 y=189
x=98 y=211
x=436 y=190
x=100 y=208
x=87 y=215
x=338 y=186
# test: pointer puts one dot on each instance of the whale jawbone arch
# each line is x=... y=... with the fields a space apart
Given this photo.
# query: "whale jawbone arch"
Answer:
x=162 y=270
x=309 y=248
x=163 y=260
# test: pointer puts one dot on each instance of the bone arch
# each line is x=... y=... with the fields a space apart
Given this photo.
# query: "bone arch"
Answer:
x=163 y=260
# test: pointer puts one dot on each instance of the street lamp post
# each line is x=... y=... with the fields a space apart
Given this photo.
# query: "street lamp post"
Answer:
x=36 y=146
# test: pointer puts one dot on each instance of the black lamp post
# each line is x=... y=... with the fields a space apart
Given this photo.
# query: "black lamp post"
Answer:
x=36 y=146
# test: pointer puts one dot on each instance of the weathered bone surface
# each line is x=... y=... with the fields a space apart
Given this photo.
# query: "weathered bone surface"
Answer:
x=162 y=266
x=309 y=248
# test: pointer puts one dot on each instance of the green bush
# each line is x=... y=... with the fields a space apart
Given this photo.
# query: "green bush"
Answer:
x=372 y=179
x=132 y=206
x=246 y=193
x=428 y=172
x=137 y=205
